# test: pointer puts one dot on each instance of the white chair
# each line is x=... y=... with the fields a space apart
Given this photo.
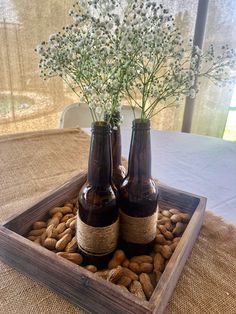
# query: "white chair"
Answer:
x=78 y=115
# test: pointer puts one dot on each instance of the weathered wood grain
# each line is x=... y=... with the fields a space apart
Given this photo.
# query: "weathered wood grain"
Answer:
x=22 y=221
x=65 y=278
x=169 y=278
x=77 y=284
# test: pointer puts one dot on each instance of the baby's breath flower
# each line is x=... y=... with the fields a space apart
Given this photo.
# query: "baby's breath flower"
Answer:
x=98 y=110
x=116 y=50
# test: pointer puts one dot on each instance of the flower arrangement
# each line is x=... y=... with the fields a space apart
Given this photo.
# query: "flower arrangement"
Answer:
x=129 y=50
x=85 y=54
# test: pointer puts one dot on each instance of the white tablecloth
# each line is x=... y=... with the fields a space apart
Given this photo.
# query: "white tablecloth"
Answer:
x=198 y=164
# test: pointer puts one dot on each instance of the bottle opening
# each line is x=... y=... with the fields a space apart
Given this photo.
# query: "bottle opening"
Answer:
x=114 y=119
x=101 y=126
x=143 y=124
x=115 y=116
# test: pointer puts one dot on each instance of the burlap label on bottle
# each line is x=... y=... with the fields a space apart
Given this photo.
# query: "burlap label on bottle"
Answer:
x=97 y=240
x=139 y=230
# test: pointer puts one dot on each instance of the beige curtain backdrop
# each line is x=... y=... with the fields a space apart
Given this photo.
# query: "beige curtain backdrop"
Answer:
x=28 y=103
x=212 y=103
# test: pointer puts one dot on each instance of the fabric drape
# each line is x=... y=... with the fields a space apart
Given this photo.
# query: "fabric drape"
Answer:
x=29 y=103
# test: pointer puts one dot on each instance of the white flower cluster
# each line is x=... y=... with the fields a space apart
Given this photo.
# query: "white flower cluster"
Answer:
x=117 y=49
x=218 y=68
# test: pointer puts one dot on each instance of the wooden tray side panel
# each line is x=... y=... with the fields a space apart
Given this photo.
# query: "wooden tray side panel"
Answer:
x=184 y=201
x=169 y=278
x=65 y=278
x=22 y=222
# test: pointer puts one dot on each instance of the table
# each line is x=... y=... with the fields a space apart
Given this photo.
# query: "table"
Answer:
x=197 y=164
x=31 y=164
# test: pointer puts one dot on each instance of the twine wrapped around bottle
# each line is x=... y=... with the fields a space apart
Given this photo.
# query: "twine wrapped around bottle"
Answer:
x=97 y=240
x=140 y=230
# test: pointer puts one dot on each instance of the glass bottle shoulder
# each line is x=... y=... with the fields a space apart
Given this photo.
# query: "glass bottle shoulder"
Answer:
x=97 y=196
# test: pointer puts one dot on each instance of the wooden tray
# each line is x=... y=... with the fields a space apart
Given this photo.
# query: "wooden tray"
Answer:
x=75 y=283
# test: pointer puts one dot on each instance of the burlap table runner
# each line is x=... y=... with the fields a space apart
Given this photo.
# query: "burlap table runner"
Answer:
x=32 y=164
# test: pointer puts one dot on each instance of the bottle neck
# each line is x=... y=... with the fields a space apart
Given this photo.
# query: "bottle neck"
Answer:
x=113 y=118
x=100 y=163
x=116 y=147
x=140 y=151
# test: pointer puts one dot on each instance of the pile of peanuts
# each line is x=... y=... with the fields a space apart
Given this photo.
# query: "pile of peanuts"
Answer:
x=139 y=274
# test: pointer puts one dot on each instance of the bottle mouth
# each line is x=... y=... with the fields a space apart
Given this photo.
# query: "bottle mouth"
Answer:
x=114 y=118
x=101 y=126
x=143 y=124
x=115 y=115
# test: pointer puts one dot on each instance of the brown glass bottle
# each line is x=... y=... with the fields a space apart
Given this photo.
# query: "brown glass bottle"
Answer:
x=138 y=195
x=119 y=171
x=97 y=216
